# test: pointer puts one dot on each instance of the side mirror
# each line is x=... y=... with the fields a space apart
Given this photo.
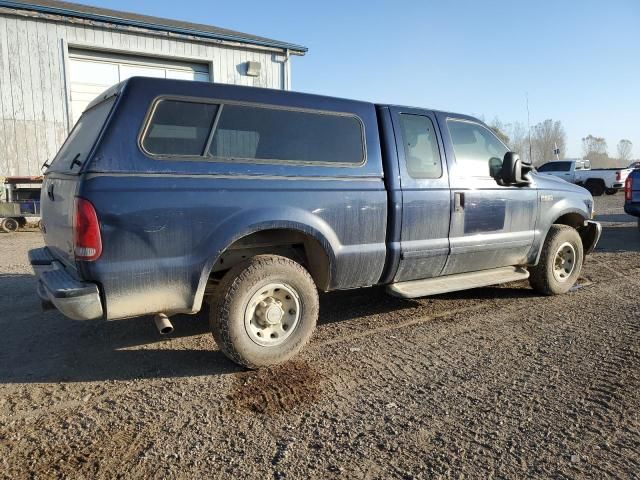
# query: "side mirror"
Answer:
x=513 y=170
x=495 y=167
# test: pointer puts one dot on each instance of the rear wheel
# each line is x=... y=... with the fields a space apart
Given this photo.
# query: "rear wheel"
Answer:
x=9 y=225
x=264 y=311
x=611 y=191
x=595 y=187
x=560 y=261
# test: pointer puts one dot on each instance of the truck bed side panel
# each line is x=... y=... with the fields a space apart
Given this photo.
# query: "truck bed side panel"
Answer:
x=162 y=233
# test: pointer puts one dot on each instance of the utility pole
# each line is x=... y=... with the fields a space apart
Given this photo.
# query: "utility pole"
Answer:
x=529 y=127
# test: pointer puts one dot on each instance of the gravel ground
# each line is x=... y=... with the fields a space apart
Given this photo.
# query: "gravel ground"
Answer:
x=493 y=382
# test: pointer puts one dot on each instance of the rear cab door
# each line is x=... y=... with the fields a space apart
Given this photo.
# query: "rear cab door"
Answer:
x=491 y=225
x=426 y=197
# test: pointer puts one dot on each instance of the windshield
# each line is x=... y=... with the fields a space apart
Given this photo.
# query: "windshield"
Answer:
x=82 y=138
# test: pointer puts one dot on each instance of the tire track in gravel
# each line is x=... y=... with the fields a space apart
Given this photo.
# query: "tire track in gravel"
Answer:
x=451 y=360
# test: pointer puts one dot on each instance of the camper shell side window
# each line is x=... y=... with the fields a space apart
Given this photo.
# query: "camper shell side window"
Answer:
x=225 y=131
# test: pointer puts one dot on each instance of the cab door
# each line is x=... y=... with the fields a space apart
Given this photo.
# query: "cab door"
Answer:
x=426 y=199
x=491 y=225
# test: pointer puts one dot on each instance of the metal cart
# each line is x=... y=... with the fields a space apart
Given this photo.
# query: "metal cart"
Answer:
x=22 y=201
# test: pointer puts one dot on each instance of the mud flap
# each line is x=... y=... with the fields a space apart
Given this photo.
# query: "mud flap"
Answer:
x=590 y=234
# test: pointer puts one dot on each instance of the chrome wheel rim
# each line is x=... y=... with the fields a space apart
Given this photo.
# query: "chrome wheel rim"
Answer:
x=564 y=262
x=272 y=314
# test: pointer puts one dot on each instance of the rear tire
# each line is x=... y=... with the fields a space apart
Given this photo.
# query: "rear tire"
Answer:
x=560 y=262
x=264 y=311
x=611 y=191
x=9 y=225
x=595 y=187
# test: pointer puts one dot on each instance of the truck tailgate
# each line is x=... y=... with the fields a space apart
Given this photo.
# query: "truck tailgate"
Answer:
x=57 y=206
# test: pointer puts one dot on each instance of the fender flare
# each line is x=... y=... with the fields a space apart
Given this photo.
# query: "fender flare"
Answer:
x=538 y=247
x=256 y=221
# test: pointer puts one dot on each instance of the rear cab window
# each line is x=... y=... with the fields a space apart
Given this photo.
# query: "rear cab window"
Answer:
x=83 y=136
x=249 y=133
x=420 y=146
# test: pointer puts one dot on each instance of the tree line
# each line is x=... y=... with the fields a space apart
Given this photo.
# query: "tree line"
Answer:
x=538 y=146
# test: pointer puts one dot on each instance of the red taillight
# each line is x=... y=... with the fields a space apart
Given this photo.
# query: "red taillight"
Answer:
x=628 y=187
x=618 y=175
x=87 y=244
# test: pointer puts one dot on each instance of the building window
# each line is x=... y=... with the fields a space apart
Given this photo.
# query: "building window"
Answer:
x=179 y=128
x=420 y=146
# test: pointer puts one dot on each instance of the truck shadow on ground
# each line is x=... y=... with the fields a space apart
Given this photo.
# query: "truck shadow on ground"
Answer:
x=619 y=239
x=46 y=347
x=616 y=218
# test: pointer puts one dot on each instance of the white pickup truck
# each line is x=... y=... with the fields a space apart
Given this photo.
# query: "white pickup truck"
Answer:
x=578 y=171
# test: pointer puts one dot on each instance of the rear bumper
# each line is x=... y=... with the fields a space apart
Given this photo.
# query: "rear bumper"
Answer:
x=56 y=286
x=590 y=234
x=632 y=209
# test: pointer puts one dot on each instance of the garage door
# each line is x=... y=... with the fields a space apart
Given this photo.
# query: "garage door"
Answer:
x=91 y=73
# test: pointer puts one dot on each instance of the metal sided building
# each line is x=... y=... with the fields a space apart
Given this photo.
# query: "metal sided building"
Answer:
x=55 y=57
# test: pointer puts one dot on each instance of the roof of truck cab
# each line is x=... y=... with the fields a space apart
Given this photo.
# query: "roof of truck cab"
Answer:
x=446 y=113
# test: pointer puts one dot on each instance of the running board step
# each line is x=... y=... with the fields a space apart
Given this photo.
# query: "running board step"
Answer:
x=459 y=281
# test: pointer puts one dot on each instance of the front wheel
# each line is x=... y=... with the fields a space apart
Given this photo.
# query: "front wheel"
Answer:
x=560 y=261
x=264 y=311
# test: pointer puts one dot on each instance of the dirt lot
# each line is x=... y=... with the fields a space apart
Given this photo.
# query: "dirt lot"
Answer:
x=494 y=382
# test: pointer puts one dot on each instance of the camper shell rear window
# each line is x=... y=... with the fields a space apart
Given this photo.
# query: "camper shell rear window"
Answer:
x=222 y=131
x=78 y=145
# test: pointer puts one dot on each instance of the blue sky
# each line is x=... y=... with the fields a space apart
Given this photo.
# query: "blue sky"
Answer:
x=579 y=61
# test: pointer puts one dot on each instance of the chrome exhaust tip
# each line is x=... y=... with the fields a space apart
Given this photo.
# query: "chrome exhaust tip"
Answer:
x=163 y=324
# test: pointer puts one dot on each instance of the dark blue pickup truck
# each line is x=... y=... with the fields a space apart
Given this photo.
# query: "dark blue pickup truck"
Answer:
x=632 y=195
x=168 y=194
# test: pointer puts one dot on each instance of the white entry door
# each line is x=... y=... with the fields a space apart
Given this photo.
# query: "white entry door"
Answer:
x=92 y=72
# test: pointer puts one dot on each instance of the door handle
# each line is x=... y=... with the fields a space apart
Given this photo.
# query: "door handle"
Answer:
x=50 y=192
x=458 y=202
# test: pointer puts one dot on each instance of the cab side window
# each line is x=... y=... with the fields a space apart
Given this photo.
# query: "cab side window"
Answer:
x=556 y=167
x=420 y=146
x=478 y=151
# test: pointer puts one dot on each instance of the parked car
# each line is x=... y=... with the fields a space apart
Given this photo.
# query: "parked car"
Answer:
x=168 y=194
x=579 y=171
x=635 y=166
x=632 y=195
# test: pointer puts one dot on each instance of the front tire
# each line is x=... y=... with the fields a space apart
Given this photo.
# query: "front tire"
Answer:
x=264 y=311
x=560 y=262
